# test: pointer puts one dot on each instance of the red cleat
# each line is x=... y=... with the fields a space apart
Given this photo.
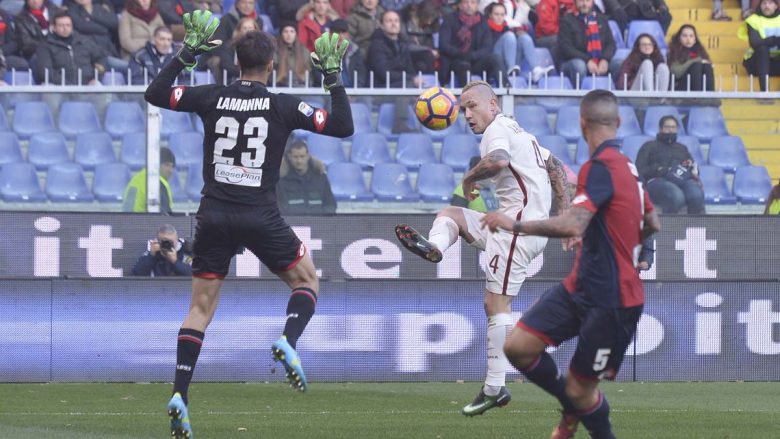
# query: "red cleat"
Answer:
x=567 y=427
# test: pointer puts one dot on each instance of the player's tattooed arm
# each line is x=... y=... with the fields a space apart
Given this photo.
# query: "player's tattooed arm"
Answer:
x=558 y=183
x=572 y=223
x=489 y=166
x=652 y=224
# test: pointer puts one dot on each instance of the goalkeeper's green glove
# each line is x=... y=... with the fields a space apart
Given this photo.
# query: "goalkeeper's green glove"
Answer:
x=327 y=56
x=197 y=37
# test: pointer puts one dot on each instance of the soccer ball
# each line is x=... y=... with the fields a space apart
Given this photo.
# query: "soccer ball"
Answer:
x=436 y=108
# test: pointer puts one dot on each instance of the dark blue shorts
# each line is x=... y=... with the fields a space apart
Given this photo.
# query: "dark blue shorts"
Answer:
x=604 y=333
x=223 y=228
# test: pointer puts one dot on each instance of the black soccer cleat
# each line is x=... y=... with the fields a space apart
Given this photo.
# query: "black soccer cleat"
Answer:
x=483 y=403
x=416 y=244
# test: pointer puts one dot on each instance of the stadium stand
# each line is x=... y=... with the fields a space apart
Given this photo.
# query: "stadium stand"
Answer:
x=716 y=189
x=325 y=148
x=20 y=183
x=110 y=181
x=458 y=149
x=391 y=182
x=124 y=117
x=77 y=118
x=415 y=150
x=346 y=182
x=533 y=118
x=369 y=149
x=93 y=149
x=46 y=149
x=435 y=182
x=65 y=182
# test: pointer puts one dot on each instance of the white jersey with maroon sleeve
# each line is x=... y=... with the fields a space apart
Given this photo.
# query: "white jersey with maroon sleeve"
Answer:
x=523 y=188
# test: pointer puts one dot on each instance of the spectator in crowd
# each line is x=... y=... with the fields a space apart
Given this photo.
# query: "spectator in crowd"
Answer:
x=314 y=19
x=718 y=14
x=773 y=201
x=214 y=6
x=292 y=59
x=166 y=255
x=225 y=56
x=223 y=64
x=670 y=172
x=153 y=57
x=397 y=5
x=389 y=56
x=419 y=22
x=761 y=31
x=586 y=44
x=137 y=24
x=98 y=22
x=172 y=12
x=8 y=46
x=511 y=42
x=286 y=10
x=229 y=22
x=465 y=45
x=354 y=72
x=303 y=187
x=363 y=21
x=644 y=69
x=32 y=26
x=342 y=7
x=68 y=52
x=549 y=13
x=484 y=202
x=689 y=61
x=135 y=192
x=626 y=11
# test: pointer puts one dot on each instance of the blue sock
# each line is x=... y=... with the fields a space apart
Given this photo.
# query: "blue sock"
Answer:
x=596 y=419
x=544 y=373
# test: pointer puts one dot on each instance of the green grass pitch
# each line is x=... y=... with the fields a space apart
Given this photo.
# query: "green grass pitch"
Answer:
x=379 y=410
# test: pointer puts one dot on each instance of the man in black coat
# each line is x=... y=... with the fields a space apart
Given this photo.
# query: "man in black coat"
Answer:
x=305 y=189
x=670 y=172
x=66 y=50
x=96 y=22
x=585 y=42
x=388 y=53
x=153 y=56
x=465 y=45
x=168 y=255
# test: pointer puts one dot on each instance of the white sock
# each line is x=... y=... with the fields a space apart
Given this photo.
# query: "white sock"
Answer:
x=499 y=326
x=444 y=233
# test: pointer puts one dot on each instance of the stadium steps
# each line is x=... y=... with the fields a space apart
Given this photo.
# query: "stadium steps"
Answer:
x=759 y=126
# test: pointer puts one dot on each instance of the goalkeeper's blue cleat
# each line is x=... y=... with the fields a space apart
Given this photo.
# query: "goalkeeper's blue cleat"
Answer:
x=282 y=351
x=180 y=419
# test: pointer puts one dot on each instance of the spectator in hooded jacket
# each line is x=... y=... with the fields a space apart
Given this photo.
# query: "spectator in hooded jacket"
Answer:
x=314 y=19
x=586 y=44
x=147 y=62
x=389 y=55
x=68 y=52
x=219 y=60
x=304 y=188
x=98 y=22
x=137 y=24
x=644 y=68
x=292 y=61
x=225 y=64
x=32 y=25
x=364 y=21
x=465 y=45
x=8 y=46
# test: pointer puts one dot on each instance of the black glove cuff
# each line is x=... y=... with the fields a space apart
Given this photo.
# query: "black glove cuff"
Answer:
x=331 y=80
x=186 y=56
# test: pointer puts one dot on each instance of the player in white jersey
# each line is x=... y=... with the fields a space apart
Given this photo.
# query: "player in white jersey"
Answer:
x=526 y=176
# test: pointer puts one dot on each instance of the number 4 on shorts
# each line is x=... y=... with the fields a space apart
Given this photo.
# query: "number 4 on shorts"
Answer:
x=494 y=263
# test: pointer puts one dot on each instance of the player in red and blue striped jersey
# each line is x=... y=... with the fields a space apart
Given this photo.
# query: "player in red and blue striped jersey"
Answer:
x=601 y=300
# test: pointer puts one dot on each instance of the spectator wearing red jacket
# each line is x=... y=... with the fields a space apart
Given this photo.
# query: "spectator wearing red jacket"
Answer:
x=549 y=13
x=314 y=19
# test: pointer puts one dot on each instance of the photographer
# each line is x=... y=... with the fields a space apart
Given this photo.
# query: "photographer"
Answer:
x=168 y=255
x=670 y=172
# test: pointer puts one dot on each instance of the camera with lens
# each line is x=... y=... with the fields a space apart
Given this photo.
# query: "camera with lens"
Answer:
x=166 y=245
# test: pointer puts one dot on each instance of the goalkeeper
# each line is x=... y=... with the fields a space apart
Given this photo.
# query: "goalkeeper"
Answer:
x=246 y=129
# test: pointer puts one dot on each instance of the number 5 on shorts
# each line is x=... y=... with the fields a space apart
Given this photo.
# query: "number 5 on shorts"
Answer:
x=602 y=356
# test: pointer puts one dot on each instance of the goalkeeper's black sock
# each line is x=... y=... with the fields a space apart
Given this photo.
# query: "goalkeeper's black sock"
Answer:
x=300 y=308
x=187 y=351
x=596 y=419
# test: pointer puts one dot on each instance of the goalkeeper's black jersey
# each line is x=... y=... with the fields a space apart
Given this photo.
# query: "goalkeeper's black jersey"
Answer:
x=245 y=132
